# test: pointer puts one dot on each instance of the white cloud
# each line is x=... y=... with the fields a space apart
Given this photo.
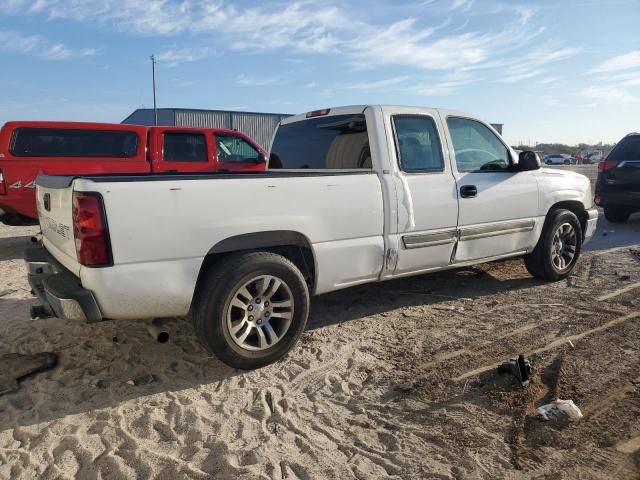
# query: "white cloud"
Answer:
x=626 y=61
x=534 y=64
x=376 y=85
x=37 y=46
x=173 y=57
x=461 y=5
x=447 y=84
x=609 y=94
x=305 y=26
x=248 y=81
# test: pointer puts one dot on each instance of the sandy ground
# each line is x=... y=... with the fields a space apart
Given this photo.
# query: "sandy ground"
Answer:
x=394 y=380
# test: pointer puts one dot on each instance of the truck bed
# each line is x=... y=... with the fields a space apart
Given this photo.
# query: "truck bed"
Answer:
x=163 y=226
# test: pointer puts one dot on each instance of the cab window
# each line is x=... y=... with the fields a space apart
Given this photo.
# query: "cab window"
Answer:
x=185 y=147
x=476 y=147
x=417 y=144
x=336 y=142
x=63 y=142
x=233 y=148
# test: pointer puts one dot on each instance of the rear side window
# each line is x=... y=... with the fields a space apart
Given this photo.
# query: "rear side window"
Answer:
x=232 y=148
x=52 y=142
x=337 y=142
x=185 y=147
x=417 y=144
x=627 y=149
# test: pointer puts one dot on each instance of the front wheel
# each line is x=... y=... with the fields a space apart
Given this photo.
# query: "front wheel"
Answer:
x=567 y=162
x=251 y=309
x=558 y=248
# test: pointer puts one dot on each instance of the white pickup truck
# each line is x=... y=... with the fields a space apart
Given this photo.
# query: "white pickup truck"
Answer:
x=352 y=195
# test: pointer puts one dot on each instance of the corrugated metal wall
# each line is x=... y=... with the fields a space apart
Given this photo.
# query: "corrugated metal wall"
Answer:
x=259 y=126
x=203 y=119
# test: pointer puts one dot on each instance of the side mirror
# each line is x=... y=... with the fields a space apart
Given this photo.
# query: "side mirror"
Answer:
x=527 y=161
x=262 y=158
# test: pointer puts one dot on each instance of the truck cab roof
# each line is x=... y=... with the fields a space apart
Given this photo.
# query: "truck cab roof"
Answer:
x=358 y=109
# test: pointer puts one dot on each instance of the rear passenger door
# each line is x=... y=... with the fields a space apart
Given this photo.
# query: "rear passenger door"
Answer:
x=426 y=194
x=183 y=151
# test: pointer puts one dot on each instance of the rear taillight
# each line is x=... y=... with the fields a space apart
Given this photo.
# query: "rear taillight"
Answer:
x=90 y=230
x=607 y=165
x=3 y=186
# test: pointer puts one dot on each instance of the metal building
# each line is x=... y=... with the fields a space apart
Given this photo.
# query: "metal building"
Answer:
x=259 y=126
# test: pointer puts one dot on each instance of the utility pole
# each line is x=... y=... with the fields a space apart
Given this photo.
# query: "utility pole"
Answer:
x=155 y=106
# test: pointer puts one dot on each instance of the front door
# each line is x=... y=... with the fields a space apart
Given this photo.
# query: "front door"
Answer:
x=236 y=154
x=498 y=204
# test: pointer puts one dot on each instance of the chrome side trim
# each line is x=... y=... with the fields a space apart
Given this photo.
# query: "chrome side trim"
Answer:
x=593 y=213
x=515 y=253
x=429 y=239
x=494 y=229
x=625 y=162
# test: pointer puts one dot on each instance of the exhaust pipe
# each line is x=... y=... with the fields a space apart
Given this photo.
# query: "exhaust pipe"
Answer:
x=157 y=330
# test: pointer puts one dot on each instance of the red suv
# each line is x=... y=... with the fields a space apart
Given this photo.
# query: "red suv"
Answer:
x=67 y=148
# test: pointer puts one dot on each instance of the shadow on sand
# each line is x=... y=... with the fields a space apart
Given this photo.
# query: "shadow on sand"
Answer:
x=97 y=360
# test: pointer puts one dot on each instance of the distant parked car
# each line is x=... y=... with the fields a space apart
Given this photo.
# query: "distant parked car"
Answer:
x=593 y=157
x=618 y=184
x=558 y=159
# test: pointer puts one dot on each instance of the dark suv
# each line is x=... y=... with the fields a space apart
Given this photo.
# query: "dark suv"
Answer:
x=618 y=185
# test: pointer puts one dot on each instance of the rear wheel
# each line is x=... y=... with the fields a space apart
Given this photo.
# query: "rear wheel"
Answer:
x=251 y=309
x=616 y=214
x=558 y=248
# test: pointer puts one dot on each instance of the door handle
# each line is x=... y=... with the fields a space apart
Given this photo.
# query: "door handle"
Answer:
x=468 y=191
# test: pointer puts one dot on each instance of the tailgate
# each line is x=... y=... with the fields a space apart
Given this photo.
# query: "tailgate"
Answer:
x=54 y=196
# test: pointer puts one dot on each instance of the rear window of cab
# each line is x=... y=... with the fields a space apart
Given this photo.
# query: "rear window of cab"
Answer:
x=338 y=142
x=63 y=142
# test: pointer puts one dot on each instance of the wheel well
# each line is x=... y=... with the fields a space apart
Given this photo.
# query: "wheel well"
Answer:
x=577 y=208
x=291 y=245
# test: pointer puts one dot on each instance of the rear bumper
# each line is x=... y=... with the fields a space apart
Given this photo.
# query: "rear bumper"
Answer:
x=592 y=224
x=59 y=290
x=630 y=200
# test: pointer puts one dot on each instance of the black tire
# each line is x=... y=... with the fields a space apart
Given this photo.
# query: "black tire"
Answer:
x=616 y=214
x=539 y=263
x=218 y=289
x=567 y=162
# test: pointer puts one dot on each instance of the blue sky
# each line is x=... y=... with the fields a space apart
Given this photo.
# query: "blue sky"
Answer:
x=565 y=70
